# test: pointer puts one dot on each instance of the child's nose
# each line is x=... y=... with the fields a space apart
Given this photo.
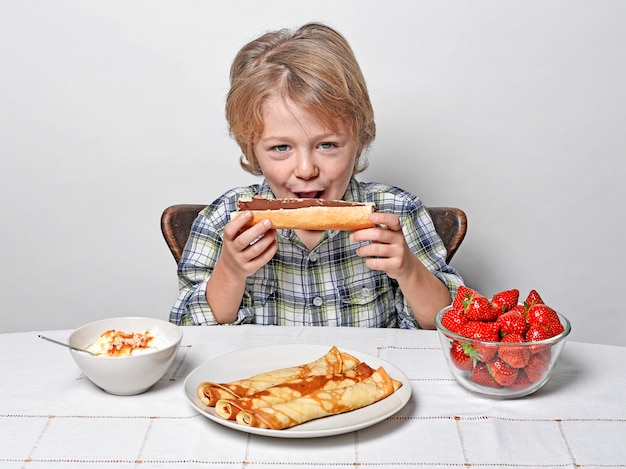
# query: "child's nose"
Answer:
x=306 y=168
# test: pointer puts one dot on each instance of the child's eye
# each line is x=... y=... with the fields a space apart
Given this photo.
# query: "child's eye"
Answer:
x=281 y=148
x=327 y=146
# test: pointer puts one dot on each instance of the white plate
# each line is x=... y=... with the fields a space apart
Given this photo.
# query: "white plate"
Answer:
x=244 y=363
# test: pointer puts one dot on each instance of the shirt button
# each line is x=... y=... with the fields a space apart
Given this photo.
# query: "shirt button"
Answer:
x=313 y=257
x=317 y=301
x=365 y=292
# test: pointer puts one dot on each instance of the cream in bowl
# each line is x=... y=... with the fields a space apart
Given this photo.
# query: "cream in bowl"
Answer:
x=114 y=343
x=133 y=353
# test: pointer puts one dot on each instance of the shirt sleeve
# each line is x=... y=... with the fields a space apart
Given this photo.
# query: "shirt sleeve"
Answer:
x=426 y=243
x=422 y=239
x=197 y=262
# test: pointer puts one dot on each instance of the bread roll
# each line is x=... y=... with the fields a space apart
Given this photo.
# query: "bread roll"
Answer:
x=309 y=214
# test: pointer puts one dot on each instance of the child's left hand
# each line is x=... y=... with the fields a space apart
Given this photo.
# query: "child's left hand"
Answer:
x=388 y=250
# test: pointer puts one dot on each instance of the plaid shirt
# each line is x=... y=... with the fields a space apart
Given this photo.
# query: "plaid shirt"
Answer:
x=327 y=286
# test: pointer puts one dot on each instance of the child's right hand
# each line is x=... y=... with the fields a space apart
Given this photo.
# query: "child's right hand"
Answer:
x=246 y=250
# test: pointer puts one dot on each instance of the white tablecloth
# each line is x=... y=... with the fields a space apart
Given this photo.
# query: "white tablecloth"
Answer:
x=52 y=416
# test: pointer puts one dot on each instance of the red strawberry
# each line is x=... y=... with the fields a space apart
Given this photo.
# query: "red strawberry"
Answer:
x=463 y=296
x=521 y=382
x=512 y=322
x=463 y=355
x=536 y=333
x=505 y=300
x=516 y=356
x=480 y=309
x=454 y=320
x=480 y=375
x=483 y=331
x=502 y=373
x=543 y=315
x=537 y=365
x=533 y=298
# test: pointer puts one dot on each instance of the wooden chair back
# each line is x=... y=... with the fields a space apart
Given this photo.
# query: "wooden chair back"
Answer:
x=451 y=226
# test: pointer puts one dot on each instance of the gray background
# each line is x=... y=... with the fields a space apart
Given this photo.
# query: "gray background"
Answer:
x=112 y=110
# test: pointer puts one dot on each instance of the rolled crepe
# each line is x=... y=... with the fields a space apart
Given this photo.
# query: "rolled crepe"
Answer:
x=321 y=403
x=290 y=390
x=334 y=361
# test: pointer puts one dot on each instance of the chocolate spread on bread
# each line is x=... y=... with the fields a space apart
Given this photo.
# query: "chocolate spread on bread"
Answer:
x=259 y=203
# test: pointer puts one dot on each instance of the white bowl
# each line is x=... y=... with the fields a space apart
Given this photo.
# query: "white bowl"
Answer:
x=130 y=375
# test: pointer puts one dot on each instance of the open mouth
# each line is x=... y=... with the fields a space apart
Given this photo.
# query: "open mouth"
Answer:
x=309 y=195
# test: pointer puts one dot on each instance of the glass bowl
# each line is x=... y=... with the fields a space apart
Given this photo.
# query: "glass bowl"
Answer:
x=488 y=373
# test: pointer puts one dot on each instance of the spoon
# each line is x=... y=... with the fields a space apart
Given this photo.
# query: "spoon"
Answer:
x=67 y=345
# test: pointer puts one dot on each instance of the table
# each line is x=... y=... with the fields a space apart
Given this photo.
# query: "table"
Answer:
x=52 y=416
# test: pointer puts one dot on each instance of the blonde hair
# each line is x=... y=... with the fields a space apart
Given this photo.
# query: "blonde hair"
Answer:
x=313 y=67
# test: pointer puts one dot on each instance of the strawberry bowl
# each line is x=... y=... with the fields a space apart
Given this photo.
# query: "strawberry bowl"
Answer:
x=488 y=359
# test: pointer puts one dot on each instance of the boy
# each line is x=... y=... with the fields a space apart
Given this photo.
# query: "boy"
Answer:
x=299 y=109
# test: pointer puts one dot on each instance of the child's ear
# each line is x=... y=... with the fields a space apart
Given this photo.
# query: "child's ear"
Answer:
x=360 y=165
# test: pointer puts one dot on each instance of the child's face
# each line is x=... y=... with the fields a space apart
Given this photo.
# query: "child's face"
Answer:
x=300 y=157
